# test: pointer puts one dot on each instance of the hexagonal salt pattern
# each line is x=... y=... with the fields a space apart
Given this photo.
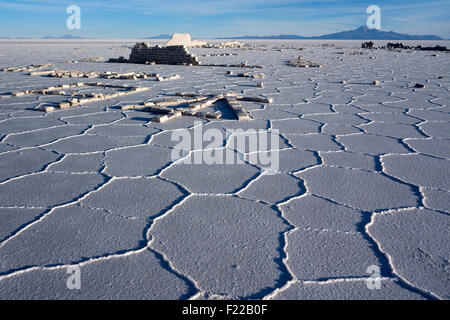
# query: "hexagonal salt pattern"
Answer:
x=358 y=179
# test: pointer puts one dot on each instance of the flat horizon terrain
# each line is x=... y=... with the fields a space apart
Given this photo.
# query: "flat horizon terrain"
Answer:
x=363 y=178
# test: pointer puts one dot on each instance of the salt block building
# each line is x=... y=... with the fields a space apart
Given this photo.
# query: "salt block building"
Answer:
x=174 y=54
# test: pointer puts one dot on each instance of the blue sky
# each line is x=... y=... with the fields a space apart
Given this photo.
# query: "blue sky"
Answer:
x=213 y=18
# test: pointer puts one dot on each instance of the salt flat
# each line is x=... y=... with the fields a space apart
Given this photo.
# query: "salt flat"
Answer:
x=363 y=179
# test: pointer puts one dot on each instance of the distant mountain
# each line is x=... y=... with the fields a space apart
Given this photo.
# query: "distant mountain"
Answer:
x=364 y=33
x=161 y=36
x=281 y=36
x=361 y=33
x=67 y=36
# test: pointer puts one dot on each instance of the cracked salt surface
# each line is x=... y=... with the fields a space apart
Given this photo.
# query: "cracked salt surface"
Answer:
x=362 y=180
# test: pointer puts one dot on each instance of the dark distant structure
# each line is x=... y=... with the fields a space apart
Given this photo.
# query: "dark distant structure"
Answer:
x=401 y=46
x=368 y=45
